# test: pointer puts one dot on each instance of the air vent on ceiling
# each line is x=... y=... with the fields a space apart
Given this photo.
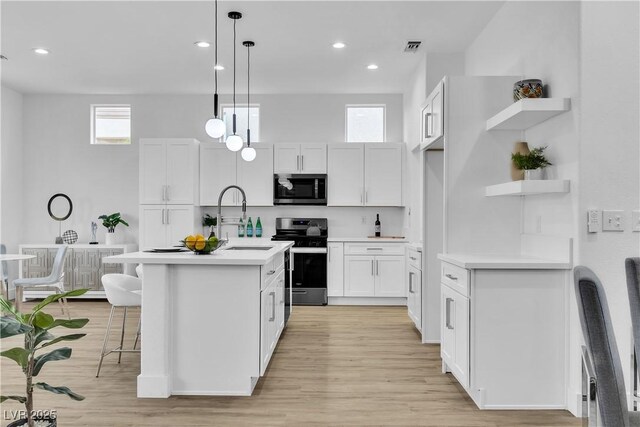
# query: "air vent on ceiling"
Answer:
x=412 y=46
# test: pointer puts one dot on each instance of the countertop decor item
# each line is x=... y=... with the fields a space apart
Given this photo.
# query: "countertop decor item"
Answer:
x=94 y=228
x=59 y=208
x=36 y=327
x=521 y=147
x=69 y=237
x=531 y=88
x=200 y=245
x=110 y=222
x=532 y=163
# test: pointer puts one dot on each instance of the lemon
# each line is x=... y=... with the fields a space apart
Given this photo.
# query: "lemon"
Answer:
x=190 y=241
x=200 y=242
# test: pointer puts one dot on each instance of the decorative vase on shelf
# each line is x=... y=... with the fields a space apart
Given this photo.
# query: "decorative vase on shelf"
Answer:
x=112 y=238
x=533 y=174
x=522 y=148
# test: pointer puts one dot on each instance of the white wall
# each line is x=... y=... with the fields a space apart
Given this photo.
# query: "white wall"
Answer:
x=11 y=175
x=104 y=179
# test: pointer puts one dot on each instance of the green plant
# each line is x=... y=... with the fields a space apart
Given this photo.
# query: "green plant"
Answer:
x=209 y=221
x=110 y=221
x=36 y=327
x=534 y=160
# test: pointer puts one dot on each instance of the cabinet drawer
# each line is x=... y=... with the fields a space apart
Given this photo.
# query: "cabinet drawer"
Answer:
x=271 y=269
x=414 y=259
x=455 y=277
x=373 y=249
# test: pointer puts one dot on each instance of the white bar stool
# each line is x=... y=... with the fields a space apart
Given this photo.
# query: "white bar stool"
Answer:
x=123 y=291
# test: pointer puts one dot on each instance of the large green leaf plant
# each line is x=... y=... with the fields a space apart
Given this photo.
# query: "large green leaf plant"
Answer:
x=36 y=327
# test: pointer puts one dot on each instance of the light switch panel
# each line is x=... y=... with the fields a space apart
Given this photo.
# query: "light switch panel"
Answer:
x=635 y=220
x=593 y=220
x=612 y=220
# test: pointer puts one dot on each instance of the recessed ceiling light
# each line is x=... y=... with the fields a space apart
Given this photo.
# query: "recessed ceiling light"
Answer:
x=41 y=51
x=202 y=44
x=372 y=67
x=218 y=67
x=339 y=45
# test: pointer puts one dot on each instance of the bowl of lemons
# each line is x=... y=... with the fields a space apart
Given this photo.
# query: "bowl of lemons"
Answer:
x=200 y=245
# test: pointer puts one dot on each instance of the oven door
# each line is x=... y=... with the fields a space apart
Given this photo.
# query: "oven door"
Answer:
x=309 y=276
x=299 y=189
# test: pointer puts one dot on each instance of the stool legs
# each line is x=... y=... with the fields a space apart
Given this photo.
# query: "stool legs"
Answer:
x=124 y=320
x=18 y=302
x=120 y=349
x=104 y=343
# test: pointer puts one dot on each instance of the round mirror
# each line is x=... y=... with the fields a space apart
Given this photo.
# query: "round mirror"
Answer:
x=60 y=207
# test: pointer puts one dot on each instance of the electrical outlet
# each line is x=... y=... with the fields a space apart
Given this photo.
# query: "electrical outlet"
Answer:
x=635 y=220
x=612 y=221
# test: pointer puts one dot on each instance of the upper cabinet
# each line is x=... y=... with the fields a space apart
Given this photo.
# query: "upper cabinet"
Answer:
x=365 y=174
x=169 y=171
x=432 y=120
x=220 y=168
x=300 y=158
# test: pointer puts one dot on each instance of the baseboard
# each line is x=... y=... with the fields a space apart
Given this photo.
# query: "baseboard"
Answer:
x=401 y=301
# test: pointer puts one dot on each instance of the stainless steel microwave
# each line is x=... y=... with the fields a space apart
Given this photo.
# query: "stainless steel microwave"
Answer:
x=299 y=189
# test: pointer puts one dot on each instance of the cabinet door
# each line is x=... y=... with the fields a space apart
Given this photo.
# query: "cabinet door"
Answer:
x=153 y=171
x=256 y=177
x=153 y=230
x=383 y=175
x=86 y=266
x=414 y=296
x=436 y=129
x=313 y=158
x=447 y=332
x=182 y=172
x=180 y=223
x=359 y=276
x=279 y=306
x=268 y=327
x=335 y=269
x=454 y=346
x=35 y=267
x=286 y=158
x=109 y=268
x=345 y=175
x=425 y=121
x=389 y=276
x=217 y=171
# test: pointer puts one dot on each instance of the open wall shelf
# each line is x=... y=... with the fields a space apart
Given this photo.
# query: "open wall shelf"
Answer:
x=528 y=187
x=528 y=112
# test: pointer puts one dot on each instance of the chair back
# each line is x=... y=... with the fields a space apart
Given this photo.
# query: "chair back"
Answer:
x=58 y=264
x=632 y=266
x=120 y=290
x=4 y=275
x=601 y=344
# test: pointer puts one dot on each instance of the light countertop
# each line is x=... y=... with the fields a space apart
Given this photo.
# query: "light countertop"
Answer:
x=222 y=256
x=367 y=239
x=415 y=245
x=472 y=261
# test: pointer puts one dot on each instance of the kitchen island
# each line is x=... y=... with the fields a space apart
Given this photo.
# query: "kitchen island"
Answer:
x=210 y=323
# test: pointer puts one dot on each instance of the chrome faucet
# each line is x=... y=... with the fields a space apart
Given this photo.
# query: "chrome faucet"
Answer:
x=219 y=216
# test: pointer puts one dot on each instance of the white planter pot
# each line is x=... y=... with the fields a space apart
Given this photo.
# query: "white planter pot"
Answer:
x=533 y=174
x=112 y=238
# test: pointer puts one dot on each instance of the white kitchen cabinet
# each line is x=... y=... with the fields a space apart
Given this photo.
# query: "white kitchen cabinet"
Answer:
x=365 y=174
x=374 y=276
x=432 y=119
x=168 y=171
x=414 y=287
x=389 y=276
x=272 y=300
x=335 y=269
x=166 y=225
x=220 y=168
x=300 y=158
x=454 y=348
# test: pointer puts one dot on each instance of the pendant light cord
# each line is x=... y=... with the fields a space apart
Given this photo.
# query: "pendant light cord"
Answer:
x=234 y=70
x=215 y=55
x=248 y=97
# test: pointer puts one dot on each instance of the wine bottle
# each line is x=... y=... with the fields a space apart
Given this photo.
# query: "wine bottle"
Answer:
x=258 y=228
x=249 y=228
x=377 y=225
x=241 y=229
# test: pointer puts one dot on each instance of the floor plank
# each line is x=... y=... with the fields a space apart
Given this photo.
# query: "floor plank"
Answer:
x=333 y=366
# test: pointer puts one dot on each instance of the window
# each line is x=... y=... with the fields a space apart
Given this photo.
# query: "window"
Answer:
x=241 y=121
x=365 y=123
x=111 y=124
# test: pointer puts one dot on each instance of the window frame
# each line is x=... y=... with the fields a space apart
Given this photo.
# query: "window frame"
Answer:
x=254 y=139
x=92 y=113
x=384 y=122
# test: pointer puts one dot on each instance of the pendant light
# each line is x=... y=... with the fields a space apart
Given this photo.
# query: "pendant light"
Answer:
x=248 y=152
x=234 y=141
x=215 y=126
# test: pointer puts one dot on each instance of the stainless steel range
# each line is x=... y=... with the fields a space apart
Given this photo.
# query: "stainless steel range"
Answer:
x=308 y=282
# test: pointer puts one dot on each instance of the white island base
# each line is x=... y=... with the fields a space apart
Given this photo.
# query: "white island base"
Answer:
x=209 y=322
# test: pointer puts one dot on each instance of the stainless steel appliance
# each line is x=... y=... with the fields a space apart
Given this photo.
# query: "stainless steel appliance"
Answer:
x=300 y=189
x=307 y=284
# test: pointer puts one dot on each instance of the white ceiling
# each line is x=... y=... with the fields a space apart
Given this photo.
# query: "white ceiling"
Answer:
x=143 y=47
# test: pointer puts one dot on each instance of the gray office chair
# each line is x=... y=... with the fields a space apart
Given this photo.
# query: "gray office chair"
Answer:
x=602 y=351
x=54 y=281
x=632 y=266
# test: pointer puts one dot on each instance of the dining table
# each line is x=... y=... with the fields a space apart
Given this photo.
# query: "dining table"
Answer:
x=10 y=257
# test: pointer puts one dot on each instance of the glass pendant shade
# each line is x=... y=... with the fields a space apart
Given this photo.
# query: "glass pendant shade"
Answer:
x=214 y=127
x=234 y=143
x=248 y=153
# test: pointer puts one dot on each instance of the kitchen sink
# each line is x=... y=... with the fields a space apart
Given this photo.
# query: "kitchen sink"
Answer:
x=249 y=248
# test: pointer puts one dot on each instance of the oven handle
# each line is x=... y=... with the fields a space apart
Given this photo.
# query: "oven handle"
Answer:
x=298 y=292
x=308 y=250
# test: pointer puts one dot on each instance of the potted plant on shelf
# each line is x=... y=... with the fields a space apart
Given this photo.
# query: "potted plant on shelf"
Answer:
x=531 y=163
x=36 y=327
x=211 y=222
x=110 y=222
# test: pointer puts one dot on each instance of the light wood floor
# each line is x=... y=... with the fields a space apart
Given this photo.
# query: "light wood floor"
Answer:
x=333 y=366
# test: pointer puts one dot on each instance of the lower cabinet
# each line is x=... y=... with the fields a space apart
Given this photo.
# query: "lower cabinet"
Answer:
x=454 y=345
x=368 y=276
x=166 y=225
x=335 y=269
x=83 y=267
x=272 y=300
x=414 y=295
